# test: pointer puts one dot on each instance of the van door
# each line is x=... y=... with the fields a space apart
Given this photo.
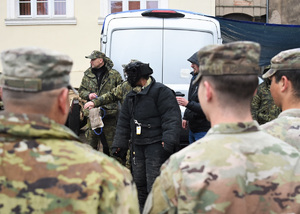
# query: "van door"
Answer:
x=182 y=38
x=131 y=41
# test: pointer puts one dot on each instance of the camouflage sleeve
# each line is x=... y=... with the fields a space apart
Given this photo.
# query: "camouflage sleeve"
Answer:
x=122 y=198
x=256 y=103
x=83 y=92
x=114 y=95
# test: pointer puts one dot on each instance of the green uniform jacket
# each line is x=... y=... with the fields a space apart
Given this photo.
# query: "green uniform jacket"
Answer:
x=110 y=80
x=236 y=168
x=45 y=169
x=263 y=108
x=286 y=127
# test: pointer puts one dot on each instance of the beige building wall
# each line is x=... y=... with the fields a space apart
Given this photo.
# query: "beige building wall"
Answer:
x=253 y=8
x=206 y=7
x=79 y=39
x=281 y=12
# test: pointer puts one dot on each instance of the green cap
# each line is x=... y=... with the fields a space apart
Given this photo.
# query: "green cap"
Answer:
x=235 y=58
x=285 y=60
x=95 y=54
x=33 y=69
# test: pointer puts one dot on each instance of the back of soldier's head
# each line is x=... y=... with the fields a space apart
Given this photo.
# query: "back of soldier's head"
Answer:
x=232 y=68
x=30 y=72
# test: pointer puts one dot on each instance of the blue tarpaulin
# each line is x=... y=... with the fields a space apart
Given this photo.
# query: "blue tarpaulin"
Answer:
x=273 y=38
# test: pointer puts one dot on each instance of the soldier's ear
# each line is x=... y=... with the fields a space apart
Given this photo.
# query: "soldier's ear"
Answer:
x=208 y=91
x=63 y=101
x=284 y=84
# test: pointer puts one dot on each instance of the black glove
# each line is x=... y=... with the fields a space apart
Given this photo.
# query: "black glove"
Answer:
x=119 y=152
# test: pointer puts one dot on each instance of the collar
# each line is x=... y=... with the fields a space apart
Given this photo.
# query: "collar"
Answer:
x=138 y=89
x=34 y=126
x=294 y=112
x=234 y=128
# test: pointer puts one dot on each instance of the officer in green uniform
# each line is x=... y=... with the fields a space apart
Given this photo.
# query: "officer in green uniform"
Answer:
x=236 y=168
x=44 y=166
x=99 y=79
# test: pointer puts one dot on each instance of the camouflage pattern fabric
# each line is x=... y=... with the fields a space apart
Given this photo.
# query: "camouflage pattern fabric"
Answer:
x=285 y=60
x=34 y=69
x=263 y=108
x=117 y=94
x=236 y=168
x=286 y=127
x=45 y=169
x=233 y=58
x=89 y=85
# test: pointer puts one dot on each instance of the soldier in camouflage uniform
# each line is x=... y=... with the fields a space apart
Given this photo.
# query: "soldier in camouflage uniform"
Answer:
x=44 y=166
x=99 y=79
x=236 y=168
x=285 y=89
x=263 y=108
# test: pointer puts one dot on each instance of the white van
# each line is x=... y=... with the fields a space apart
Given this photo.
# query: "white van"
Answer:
x=163 y=38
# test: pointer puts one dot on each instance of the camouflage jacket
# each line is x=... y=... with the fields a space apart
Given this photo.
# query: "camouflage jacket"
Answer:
x=110 y=80
x=116 y=94
x=286 y=127
x=45 y=169
x=236 y=168
x=263 y=108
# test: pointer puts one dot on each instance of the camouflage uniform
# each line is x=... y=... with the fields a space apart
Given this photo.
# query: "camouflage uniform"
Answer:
x=45 y=169
x=236 y=168
x=263 y=108
x=89 y=84
x=44 y=166
x=287 y=125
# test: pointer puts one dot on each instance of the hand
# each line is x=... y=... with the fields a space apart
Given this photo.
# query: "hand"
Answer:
x=184 y=124
x=89 y=105
x=182 y=101
x=92 y=96
x=163 y=144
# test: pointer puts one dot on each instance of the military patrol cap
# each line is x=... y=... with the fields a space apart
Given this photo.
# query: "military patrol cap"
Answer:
x=235 y=58
x=285 y=60
x=95 y=54
x=33 y=69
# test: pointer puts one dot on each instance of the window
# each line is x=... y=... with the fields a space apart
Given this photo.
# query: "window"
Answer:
x=34 y=12
x=113 y=6
x=118 y=6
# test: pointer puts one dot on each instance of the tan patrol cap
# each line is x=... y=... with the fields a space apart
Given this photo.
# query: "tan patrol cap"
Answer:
x=285 y=60
x=33 y=69
x=235 y=58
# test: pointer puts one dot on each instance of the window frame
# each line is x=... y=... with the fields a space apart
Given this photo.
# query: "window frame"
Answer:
x=105 y=7
x=14 y=17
